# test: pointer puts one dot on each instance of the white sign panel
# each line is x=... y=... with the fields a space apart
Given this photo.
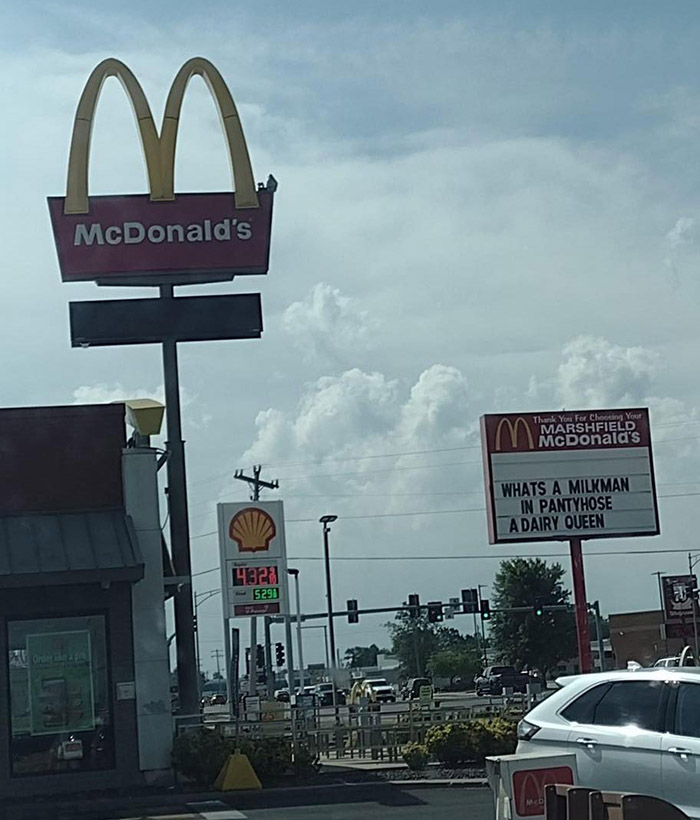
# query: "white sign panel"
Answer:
x=253 y=558
x=570 y=474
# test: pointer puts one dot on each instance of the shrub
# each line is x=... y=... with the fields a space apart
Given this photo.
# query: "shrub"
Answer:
x=306 y=761
x=448 y=743
x=471 y=741
x=415 y=756
x=199 y=755
x=269 y=756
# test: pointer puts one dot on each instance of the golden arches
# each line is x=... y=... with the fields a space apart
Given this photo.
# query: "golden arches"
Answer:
x=158 y=150
x=513 y=430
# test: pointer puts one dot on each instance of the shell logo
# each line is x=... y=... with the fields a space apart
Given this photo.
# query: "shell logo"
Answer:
x=252 y=529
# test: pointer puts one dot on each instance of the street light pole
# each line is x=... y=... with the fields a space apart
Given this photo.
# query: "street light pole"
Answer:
x=200 y=598
x=326 y=520
x=295 y=574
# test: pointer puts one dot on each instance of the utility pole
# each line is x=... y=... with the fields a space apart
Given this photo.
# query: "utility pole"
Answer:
x=256 y=483
x=218 y=654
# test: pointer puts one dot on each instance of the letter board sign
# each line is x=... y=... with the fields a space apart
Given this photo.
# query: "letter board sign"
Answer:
x=569 y=474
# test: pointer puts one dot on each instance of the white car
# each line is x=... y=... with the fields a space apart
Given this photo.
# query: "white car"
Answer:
x=632 y=731
x=383 y=691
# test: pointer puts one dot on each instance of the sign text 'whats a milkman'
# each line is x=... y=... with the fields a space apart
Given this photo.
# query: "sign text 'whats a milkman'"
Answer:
x=554 y=476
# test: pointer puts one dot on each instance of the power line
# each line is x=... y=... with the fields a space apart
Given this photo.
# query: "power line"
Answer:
x=398 y=454
x=478 y=556
x=411 y=514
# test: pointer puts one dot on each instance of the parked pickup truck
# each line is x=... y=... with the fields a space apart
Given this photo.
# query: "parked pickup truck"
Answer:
x=495 y=679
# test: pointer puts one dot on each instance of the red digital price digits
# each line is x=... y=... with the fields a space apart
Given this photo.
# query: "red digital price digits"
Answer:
x=255 y=576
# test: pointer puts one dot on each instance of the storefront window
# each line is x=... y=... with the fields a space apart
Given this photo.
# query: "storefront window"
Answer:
x=59 y=695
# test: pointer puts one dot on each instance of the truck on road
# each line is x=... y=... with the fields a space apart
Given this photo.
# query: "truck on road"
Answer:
x=494 y=680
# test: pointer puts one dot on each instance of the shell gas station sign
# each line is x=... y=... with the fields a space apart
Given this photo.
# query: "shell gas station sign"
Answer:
x=253 y=558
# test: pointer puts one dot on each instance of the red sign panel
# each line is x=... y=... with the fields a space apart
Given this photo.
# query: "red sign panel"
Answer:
x=528 y=788
x=197 y=237
x=256 y=609
x=579 y=430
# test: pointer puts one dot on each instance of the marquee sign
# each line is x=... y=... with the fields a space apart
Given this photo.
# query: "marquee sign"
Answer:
x=150 y=238
x=569 y=474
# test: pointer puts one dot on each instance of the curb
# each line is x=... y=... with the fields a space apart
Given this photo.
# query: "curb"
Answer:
x=105 y=807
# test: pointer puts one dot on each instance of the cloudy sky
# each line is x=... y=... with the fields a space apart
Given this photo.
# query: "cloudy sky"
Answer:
x=482 y=207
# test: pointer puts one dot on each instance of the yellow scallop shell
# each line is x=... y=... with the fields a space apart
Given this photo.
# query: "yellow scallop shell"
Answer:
x=252 y=529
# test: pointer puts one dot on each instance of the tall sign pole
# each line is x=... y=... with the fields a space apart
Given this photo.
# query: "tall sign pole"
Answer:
x=581 y=607
x=164 y=240
x=188 y=685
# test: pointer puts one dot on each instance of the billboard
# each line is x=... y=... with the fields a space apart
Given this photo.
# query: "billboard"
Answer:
x=139 y=239
x=253 y=556
x=569 y=474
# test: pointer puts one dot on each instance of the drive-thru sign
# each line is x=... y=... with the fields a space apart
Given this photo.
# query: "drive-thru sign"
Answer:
x=569 y=474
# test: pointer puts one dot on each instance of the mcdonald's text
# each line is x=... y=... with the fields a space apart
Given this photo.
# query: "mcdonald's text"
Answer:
x=584 y=474
x=194 y=235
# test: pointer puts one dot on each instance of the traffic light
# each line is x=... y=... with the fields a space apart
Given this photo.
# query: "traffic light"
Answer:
x=353 y=617
x=470 y=601
x=434 y=611
x=260 y=657
x=194 y=623
x=414 y=602
x=538 y=607
x=279 y=654
x=485 y=610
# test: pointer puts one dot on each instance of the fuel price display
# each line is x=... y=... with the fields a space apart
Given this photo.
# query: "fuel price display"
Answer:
x=255 y=576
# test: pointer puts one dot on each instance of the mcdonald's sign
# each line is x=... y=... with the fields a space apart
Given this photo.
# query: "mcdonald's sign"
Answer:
x=528 y=788
x=160 y=236
x=513 y=427
x=554 y=476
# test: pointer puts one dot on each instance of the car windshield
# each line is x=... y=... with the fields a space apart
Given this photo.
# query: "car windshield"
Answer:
x=347 y=349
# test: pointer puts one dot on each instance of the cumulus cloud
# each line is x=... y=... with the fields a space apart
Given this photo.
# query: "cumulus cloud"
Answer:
x=597 y=373
x=327 y=325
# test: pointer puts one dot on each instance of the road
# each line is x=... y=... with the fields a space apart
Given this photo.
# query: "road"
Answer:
x=366 y=802
x=388 y=710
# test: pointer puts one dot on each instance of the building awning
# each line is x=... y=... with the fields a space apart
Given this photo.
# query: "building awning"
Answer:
x=70 y=548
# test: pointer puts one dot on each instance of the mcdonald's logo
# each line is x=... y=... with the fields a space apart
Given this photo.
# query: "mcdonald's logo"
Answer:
x=513 y=429
x=135 y=238
x=528 y=788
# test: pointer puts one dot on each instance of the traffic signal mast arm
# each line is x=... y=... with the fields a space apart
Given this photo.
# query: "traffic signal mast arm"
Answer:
x=423 y=607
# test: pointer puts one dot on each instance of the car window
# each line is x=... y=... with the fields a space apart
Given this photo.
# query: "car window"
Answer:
x=627 y=703
x=581 y=710
x=688 y=710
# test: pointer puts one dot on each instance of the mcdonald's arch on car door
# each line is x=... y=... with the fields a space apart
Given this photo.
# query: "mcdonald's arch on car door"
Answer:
x=144 y=238
x=569 y=474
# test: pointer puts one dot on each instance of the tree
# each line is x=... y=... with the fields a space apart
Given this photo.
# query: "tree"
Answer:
x=360 y=656
x=523 y=638
x=415 y=641
x=464 y=663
